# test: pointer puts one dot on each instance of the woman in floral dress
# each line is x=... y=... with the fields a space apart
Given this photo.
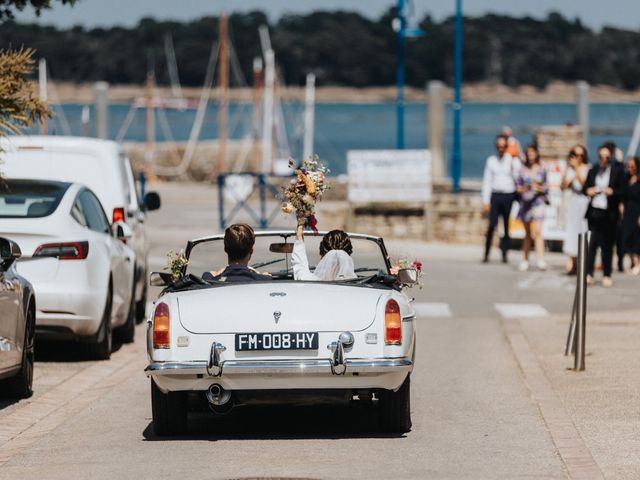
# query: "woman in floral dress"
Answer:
x=532 y=188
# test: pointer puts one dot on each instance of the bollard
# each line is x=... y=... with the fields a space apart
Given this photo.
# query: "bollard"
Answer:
x=581 y=303
x=569 y=347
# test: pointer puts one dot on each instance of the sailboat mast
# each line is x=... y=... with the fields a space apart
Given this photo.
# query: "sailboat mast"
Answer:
x=223 y=83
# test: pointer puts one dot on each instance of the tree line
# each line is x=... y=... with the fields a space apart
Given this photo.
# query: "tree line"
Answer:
x=344 y=48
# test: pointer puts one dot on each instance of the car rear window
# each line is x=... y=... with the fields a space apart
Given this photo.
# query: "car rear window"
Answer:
x=29 y=198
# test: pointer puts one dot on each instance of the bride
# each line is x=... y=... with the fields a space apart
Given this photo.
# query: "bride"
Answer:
x=335 y=262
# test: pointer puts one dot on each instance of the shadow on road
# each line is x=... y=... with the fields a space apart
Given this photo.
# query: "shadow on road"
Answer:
x=281 y=423
x=64 y=351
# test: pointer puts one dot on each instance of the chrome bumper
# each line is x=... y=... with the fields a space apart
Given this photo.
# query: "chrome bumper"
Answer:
x=286 y=367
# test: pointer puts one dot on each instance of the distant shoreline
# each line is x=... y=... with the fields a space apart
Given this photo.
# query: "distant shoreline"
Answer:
x=557 y=92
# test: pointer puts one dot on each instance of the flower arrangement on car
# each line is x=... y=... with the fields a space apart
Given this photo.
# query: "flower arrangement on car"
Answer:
x=305 y=190
x=176 y=262
x=404 y=263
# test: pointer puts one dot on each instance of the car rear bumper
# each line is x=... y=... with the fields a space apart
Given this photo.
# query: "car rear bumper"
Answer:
x=388 y=373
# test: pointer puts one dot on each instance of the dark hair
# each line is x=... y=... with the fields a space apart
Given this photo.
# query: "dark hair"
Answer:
x=238 y=241
x=635 y=160
x=502 y=137
x=585 y=157
x=533 y=147
x=611 y=147
x=335 y=240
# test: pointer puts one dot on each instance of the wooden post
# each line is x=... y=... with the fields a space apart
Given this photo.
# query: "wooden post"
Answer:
x=258 y=82
x=42 y=81
x=267 y=112
x=151 y=131
x=309 y=114
x=101 y=114
x=223 y=84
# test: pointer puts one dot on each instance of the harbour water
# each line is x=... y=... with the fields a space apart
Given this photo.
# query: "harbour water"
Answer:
x=343 y=126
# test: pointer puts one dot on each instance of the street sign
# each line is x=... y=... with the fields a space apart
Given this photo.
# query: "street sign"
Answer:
x=379 y=176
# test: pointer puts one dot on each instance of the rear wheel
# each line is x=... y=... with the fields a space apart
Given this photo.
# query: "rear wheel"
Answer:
x=169 y=411
x=101 y=348
x=21 y=385
x=395 y=408
x=126 y=333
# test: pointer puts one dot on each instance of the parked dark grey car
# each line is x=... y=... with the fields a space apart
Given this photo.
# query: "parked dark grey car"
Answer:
x=17 y=326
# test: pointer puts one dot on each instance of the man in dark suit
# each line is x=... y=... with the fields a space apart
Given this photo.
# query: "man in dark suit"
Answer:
x=604 y=187
x=238 y=245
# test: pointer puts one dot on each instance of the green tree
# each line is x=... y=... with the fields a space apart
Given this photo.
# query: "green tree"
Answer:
x=8 y=7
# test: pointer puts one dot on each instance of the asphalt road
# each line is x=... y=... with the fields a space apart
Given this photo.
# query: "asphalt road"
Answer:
x=473 y=415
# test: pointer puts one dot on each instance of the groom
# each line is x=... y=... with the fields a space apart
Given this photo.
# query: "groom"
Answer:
x=238 y=244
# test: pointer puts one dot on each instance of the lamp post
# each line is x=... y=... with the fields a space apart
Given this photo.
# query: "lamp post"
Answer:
x=456 y=157
x=403 y=30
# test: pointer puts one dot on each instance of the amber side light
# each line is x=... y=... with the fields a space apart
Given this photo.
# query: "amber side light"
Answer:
x=392 y=323
x=161 y=324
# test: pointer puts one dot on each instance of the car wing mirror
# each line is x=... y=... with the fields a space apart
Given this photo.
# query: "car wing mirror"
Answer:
x=408 y=276
x=160 y=279
x=152 y=201
x=9 y=253
x=122 y=231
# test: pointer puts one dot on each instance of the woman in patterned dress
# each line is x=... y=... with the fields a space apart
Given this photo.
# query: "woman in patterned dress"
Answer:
x=532 y=188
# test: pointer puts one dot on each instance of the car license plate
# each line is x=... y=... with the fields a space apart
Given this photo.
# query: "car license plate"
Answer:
x=277 y=341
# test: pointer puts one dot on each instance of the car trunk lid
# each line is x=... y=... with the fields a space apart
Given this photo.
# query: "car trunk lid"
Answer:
x=278 y=307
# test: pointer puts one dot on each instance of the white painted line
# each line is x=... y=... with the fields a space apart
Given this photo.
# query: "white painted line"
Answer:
x=432 y=309
x=520 y=310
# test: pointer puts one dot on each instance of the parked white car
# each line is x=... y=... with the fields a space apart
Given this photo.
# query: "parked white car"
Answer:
x=81 y=271
x=102 y=166
x=281 y=340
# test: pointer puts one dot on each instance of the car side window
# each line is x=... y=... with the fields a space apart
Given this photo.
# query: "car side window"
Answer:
x=77 y=212
x=96 y=219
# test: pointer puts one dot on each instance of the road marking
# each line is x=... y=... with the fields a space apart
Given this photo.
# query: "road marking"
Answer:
x=573 y=451
x=432 y=309
x=520 y=310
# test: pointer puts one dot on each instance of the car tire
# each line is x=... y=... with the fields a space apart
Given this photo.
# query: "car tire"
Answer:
x=126 y=333
x=21 y=385
x=141 y=305
x=101 y=348
x=395 y=408
x=169 y=412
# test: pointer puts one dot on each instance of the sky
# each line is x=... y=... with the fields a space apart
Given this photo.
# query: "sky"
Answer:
x=91 y=13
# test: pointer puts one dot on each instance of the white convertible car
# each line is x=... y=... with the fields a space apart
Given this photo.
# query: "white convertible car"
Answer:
x=281 y=341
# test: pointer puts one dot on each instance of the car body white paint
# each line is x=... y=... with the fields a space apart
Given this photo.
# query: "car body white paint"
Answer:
x=200 y=318
x=72 y=293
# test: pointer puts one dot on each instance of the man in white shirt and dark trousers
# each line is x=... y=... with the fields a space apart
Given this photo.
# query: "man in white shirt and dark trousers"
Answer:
x=498 y=193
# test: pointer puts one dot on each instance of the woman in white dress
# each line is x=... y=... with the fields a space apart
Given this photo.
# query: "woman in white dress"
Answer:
x=335 y=262
x=576 y=208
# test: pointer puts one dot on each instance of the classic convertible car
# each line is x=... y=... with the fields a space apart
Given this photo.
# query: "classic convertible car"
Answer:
x=281 y=341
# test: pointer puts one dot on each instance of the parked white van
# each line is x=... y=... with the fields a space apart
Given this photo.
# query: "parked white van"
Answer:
x=101 y=165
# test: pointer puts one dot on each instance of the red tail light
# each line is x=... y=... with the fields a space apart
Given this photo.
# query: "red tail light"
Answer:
x=392 y=323
x=161 y=324
x=118 y=215
x=63 y=251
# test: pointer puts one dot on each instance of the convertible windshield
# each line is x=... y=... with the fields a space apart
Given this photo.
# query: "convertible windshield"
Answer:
x=271 y=253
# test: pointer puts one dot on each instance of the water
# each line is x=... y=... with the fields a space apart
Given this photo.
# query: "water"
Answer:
x=344 y=126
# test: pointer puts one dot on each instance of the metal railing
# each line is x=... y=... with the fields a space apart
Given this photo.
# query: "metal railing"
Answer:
x=577 y=329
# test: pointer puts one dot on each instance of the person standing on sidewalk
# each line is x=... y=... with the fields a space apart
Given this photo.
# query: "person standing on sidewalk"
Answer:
x=604 y=187
x=498 y=193
x=576 y=208
x=532 y=189
x=631 y=216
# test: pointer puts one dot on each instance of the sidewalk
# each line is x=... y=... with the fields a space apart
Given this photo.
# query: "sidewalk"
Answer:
x=603 y=401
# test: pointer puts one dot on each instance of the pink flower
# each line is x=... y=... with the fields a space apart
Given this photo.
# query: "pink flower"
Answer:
x=394 y=270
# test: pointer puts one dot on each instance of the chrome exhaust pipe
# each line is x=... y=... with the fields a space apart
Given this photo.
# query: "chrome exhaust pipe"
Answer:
x=219 y=399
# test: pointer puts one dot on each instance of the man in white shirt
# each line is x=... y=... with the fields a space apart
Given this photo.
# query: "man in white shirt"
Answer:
x=498 y=193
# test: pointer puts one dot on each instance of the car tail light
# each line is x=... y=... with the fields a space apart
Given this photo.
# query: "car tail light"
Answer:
x=392 y=323
x=118 y=215
x=161 y=323
x=63 y=251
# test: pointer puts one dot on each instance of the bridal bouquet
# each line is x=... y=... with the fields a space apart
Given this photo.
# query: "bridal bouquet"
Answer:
x=305 y=190
x=175 y=264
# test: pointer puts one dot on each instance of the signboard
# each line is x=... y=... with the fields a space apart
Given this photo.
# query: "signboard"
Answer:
x=377 y=176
